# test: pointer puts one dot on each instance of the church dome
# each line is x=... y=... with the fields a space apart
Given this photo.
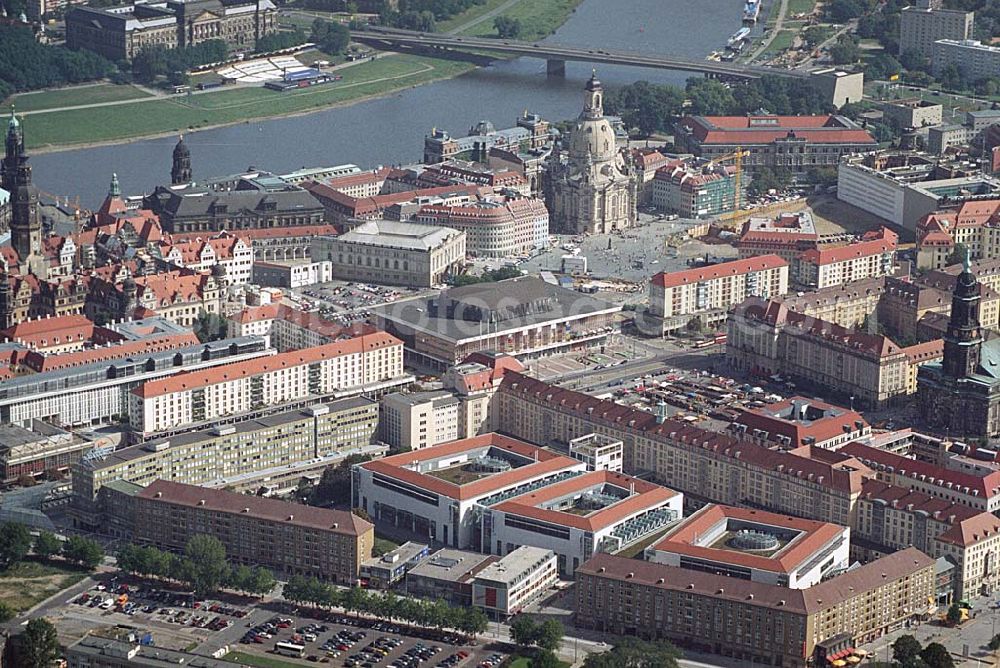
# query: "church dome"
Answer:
x=593 y=137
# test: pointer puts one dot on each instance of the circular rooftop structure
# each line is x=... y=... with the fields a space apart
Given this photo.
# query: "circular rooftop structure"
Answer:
x=753 y=540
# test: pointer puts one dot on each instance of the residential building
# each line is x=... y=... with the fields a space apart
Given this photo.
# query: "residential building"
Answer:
x=893 y=518
x=270 y=454
x=509 y=585
x=693 y=193
x=493 y=226
x=797 y=143
x=699 y=463
x=597 y=511
x=366 y=363
x=286 y=537
x=119 y=33
x=390 y=569
x=598 y=452
x=923 y=24
x=344 y=209
x=231 y=252
x=90 y=387
x=767 y=338
x=447 y=575
x=181 y=295
x=416 y=420
x=287 y=328
x=475 y=382
x=434 y=493
x=797 y=421
x=973 y=59
x=522 y=316
x=976 y=489
x=292 y=274
x=647 y=163
x=596 y=189
x=755 y=545
x=387 y=252
x=873 y=256
x=975 y=225
x=705 y=294
x=749 y=621
x=788 y=235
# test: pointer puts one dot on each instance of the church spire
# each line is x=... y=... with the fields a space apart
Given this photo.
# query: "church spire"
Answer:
x=180 y=172
x=115 y=190
x=963 y=339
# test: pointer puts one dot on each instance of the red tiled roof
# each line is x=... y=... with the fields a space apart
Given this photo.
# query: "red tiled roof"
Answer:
x=885 y=244
x=228 y=372
x=984 y=487
x=545 y=462
x=646 y=497
x=742 y=130
x=733 y=268
x=40 y=362
x=800 y=432
x=682 y=539
x=257 y=507
x=845 y=475
x=48 y=332
x=925 y=352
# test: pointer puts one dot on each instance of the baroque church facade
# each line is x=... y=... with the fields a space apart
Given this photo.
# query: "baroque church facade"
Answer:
x=593 y=188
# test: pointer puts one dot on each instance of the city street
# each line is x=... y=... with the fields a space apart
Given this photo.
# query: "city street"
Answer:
x=966 y=642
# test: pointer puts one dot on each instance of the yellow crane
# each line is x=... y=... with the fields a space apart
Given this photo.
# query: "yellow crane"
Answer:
x=738 y=213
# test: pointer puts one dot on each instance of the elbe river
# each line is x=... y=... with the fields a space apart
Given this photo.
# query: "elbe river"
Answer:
x=390 y=130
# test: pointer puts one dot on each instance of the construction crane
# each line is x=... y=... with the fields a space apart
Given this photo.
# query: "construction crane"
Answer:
x=738 y=211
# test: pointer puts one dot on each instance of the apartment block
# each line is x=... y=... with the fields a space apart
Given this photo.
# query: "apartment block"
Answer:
x=923 y=24
x=871 y=257
x=707 y=293
x=752 y=622
x=288 y=538
x=272 y=453
x=418 y=420
x=692 y=193
x=365 y=363
x=973 y=59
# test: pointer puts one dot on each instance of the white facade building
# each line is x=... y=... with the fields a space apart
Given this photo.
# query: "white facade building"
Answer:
x=872 y=257
x=364 y=363
x=433 y=493
x=717 y=286
x=598 y=452
x=417 y=420
x=504 y=588
x=599 y=511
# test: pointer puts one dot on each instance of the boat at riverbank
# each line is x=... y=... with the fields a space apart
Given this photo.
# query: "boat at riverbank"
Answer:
x=751 y=11
x=738 y=37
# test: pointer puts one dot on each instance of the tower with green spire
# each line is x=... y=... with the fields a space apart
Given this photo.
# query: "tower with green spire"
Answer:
x=115 y=190
x=15 y=178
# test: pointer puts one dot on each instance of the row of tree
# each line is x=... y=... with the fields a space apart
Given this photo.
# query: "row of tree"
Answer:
x=635 y=653
x=422 y=14
x=908 y=653
x=203 y=566
x=16 y=543
x=153 y=62
x=651 y=108
x=27 y=65
x=332 y=37
x=429 y=614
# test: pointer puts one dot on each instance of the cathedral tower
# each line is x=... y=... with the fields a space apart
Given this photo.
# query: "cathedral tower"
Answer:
x=15 y=178
x=964 y=339
x=180 y=172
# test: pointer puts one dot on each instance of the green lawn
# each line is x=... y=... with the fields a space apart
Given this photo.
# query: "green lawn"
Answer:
x=800 y=6
x=781 y=42
x=183 y=112
x=247 y=659
x=470 y=14
x=539 y=18
x=66 y=97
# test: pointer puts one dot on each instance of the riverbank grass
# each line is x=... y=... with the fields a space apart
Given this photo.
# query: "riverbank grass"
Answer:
x=181 y=112
x=74 y=96
x=539 y=18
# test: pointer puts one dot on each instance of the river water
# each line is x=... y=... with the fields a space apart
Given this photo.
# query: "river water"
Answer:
x=391 y=129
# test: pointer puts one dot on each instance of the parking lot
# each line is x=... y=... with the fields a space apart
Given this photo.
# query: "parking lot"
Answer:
x=359 y=642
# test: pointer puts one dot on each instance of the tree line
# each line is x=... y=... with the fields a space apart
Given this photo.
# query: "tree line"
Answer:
x=153 y=62
x=27 y=65
x=430 y=614
x=650 y=108
x=203 y=566
x=422 y=14
x=16 y=543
